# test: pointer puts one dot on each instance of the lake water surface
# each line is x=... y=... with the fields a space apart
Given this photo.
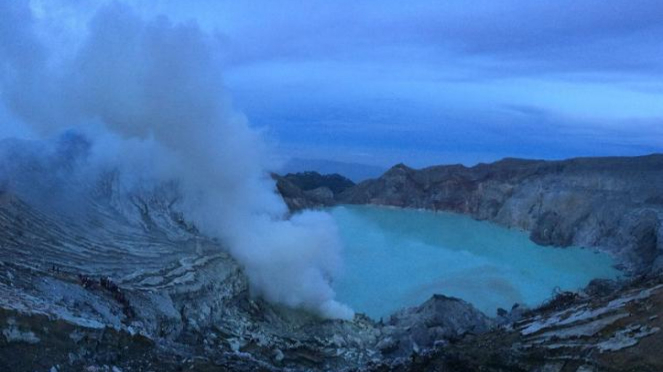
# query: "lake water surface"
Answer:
x=399 y=257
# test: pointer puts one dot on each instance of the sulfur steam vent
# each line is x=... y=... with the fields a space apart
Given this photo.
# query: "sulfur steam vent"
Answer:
x=148 y=97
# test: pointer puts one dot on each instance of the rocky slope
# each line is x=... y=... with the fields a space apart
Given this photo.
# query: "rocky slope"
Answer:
x=617 y=330
x=125 y=283
x=614 y=204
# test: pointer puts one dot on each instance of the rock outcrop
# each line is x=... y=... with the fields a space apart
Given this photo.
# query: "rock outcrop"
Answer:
x=433 y=323
x=614 y=204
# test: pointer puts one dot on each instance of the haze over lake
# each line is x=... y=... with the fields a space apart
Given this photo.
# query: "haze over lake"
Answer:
x=399 y=257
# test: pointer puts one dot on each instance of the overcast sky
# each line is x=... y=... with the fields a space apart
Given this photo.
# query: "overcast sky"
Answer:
x=424 y=82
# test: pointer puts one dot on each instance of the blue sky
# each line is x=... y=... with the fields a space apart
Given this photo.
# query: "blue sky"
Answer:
x=428 y=82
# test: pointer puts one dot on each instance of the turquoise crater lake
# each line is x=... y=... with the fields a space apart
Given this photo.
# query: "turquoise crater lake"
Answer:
x=395 y=258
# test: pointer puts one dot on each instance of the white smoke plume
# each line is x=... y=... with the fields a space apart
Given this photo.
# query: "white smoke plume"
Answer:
x=159 y=83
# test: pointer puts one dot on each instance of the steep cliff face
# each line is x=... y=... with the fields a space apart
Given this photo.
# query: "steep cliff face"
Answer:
x=615 y=204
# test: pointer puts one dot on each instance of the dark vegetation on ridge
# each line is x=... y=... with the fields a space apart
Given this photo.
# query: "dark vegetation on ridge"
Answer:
x=312 y=180
x=311 y=189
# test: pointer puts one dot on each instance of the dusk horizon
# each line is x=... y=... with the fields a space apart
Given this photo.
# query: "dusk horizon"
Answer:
x=420 y=84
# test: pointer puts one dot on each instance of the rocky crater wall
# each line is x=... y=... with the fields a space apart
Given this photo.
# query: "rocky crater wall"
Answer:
x=613 y=203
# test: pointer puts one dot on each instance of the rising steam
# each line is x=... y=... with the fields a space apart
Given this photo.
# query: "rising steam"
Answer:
x=158 y=85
